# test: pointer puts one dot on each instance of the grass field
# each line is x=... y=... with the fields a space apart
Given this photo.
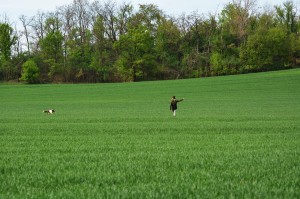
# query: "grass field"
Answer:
x=233 y=137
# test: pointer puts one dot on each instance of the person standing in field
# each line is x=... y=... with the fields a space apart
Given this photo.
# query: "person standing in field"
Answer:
x=173 y=105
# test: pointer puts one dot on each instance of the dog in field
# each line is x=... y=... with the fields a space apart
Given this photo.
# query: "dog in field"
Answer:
x=50 y=111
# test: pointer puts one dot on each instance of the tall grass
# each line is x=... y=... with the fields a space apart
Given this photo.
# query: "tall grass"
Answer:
x=233 y=137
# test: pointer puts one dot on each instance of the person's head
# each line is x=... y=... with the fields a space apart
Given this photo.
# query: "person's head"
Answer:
x=174 y=97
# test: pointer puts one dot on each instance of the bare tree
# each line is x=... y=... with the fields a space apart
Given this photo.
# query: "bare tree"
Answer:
x=96 y=10
x=109 y=13
x=124 y=15
x=244 y=9
x=183 y=24
x=66 y=15
x=26 y=22
x=83 y=17
x=115 y=19
x=38 y=26
x=4 y=19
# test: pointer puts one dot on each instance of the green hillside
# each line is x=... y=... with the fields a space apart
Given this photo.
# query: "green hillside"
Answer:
x=233 y=137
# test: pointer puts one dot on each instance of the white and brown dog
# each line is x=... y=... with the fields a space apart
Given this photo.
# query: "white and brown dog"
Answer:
x=50 y=111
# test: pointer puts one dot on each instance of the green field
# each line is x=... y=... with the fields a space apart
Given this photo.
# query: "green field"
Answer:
x=233 y=137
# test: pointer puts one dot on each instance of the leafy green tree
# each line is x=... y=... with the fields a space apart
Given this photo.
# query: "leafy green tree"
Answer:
x=294 y=40
x=168 y=49
x=225 y=56
x=136 y=60
x=225 y=50
x=148 y=15
x=52 y=43
x=52 y=47
x=8 y=70
x=236 y=18
x=286 y=16
x=266 y=50
x=196 y=46
x=7 y=40
x=79 y=60
x=103 y=56
x=30 y=72
x=234 y=24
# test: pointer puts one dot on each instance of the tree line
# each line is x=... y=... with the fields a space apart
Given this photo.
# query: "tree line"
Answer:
x=109 y=42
